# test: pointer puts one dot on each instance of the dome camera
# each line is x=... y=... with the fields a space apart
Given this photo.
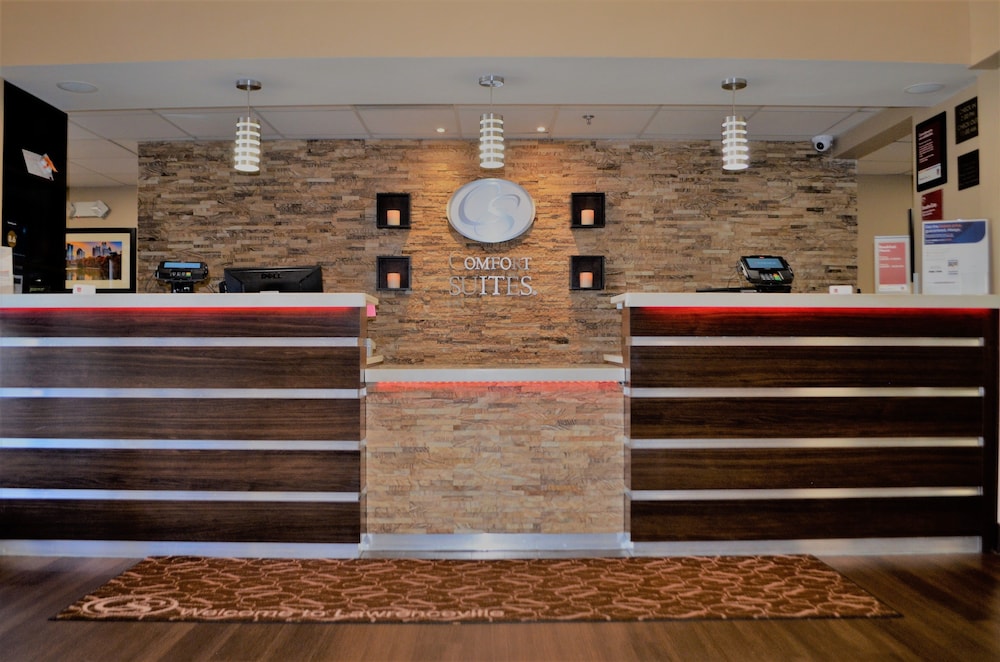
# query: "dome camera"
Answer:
x=822 y=143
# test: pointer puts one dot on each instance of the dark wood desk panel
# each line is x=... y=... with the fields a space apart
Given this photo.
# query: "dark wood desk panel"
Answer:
x=850 y=417
x=127 y=416
x=181 y=521
x=182 y=367
x=155 y=469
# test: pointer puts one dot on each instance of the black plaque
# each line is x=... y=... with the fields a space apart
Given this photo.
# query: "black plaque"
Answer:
x=968 y=170
x=967 y=120
x=932 y=163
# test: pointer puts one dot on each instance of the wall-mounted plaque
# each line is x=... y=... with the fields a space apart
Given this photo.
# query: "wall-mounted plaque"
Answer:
x=967 y=120
x=931 y=146
x=968 y=170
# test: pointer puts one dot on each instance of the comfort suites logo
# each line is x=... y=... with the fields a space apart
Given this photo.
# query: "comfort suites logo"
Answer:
x=491 y=211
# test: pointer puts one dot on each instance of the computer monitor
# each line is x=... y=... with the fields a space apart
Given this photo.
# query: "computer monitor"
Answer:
x=273 y=279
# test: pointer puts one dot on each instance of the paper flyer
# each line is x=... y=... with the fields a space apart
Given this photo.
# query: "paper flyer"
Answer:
x=956 y=257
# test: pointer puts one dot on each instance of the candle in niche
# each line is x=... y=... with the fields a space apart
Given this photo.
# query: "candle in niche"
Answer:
x=586 y=217
x=392 y=218
x=392 y=279
x=586 y=280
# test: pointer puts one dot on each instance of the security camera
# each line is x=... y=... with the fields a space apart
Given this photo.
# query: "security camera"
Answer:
x=822 y=143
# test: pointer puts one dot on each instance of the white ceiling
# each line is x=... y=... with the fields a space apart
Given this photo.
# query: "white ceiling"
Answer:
x=380 y=98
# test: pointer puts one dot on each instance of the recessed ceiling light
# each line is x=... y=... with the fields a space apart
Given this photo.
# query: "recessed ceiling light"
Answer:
x=440 y=129
x=77 y=86
x=923 y=88
x=541 y=129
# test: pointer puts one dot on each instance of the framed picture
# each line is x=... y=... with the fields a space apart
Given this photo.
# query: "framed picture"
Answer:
x=101 y=257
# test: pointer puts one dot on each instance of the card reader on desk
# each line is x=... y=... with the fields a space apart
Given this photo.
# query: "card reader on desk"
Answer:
x=182 y=276
x=767 y=273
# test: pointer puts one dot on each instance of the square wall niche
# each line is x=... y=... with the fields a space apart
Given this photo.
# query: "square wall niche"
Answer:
x=393 y=273
x=392 y=211
x=587 y=210
x=586 y=272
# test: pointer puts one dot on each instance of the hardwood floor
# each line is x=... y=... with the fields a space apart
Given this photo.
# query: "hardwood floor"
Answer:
x=950 y=607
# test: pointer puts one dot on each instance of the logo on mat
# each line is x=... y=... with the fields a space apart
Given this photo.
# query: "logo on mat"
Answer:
x=129 y=606
x=491 y=210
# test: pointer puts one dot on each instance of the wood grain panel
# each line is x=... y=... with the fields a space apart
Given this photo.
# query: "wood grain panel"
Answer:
x=183 y=322
x=889 y=322
x=790 y=468
x=187 y=521
x=182 y=367
x=806 y=519
x=807 y=366
x=701 y=418
x=183 y=418
x=991 y=432
x=135 y=469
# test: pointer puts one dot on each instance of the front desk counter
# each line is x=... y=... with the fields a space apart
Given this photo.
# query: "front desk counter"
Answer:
x=165 y=420
x=769 y=417
x=255 y=424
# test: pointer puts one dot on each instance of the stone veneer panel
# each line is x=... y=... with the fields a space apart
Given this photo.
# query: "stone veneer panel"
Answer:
x=453 y=458
x=676 y=222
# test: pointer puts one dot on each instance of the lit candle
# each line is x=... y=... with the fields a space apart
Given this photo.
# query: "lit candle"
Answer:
x=392 y=218
x=586 y=217
x=392 y=279
x=586 y=279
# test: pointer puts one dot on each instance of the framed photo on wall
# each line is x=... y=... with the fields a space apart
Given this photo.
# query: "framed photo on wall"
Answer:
x=103 y=258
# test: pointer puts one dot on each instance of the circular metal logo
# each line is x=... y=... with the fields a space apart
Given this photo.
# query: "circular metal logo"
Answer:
x=491 y=210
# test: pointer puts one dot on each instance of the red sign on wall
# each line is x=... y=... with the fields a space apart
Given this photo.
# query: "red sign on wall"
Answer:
x=931 y=206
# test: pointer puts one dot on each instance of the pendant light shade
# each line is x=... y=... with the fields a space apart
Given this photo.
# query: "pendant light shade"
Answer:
x=735 y=146
x=491 y=140
x=247 y=151
x=491 y=149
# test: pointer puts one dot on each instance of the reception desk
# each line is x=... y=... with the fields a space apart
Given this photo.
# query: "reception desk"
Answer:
x=780 y=417
x=182 y=418
x=258 y=425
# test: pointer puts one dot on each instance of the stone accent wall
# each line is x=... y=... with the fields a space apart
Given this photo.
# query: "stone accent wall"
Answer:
x=543 y=458
x=676 y=222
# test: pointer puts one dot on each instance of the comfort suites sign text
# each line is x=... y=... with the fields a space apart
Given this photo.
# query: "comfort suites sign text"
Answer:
x=490 y=276
x=491 y=211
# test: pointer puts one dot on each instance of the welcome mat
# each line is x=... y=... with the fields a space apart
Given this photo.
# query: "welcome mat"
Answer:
x=197 y=589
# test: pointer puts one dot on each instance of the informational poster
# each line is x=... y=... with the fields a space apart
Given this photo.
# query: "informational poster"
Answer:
x=931 y=146
x=932 y=206
x=956 y=257
x=892 y=264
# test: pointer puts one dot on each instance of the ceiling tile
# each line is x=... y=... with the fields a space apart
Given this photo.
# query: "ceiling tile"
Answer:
x=315 y=122
x=129 y=125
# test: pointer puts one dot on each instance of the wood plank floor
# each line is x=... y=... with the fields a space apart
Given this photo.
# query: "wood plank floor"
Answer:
x=950 y=606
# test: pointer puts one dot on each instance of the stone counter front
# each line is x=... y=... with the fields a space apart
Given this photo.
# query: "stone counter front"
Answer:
x=506 y=457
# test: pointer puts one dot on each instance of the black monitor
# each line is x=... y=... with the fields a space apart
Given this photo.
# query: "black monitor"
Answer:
x=273 y=279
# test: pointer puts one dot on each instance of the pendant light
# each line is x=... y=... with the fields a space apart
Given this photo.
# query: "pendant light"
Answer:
x=735 y=146
x=247 y=152
x=491 y=129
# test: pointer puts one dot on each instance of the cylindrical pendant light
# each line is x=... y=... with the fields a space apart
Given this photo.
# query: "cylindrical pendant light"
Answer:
x=491 y=149
x=247 y=151
x=735 y=146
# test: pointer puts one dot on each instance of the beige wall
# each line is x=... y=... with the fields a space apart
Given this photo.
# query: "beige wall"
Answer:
x=882 y=205
x=981 y=201
x=123 y=201
x=150 y=31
